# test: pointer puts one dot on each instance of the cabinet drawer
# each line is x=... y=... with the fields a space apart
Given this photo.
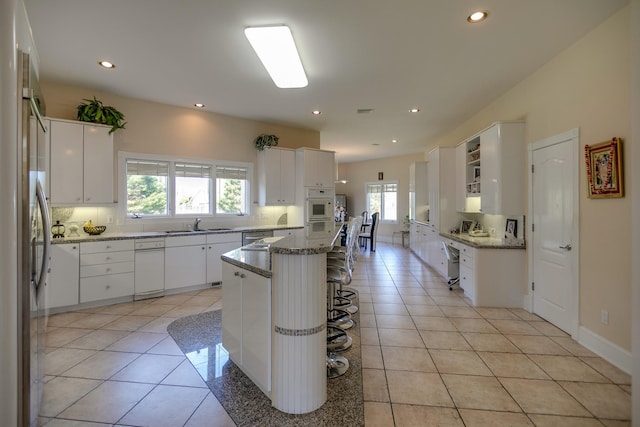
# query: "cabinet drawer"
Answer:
x=106 y=258
x=466 y=250
x=467 y=281
x=200 y=239
x=106 y=269
x=105 y=287
x=225 y=238
x=466 y=261
x=106 y=246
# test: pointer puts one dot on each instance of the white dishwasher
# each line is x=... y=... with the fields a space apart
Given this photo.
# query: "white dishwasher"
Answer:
x=149 y=268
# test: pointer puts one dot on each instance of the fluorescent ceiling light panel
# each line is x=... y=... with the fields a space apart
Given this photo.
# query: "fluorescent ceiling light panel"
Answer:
x=276 y=48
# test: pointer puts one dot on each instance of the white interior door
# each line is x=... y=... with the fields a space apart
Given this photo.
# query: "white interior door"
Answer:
x=554 y=239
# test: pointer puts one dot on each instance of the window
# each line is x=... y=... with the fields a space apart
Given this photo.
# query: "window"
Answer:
x=383 y=197
x=147 y=187
x=158 y=186
x=232 y=190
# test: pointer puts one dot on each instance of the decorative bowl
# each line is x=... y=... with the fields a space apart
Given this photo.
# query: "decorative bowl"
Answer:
x=95 y=230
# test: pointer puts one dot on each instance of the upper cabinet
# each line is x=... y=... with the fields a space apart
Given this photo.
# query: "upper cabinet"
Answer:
x=81 y=163
x=489 y=171
x=317 y=167
x=441 y=184
x=418 y=192
x=276 y=176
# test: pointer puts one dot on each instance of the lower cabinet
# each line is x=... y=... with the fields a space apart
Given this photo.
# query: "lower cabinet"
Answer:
x=246 y=323
x=217 y=244
x=185 y=261
x=106 y=270
x=62 y=288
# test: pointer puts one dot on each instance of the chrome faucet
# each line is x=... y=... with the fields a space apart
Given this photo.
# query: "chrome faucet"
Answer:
x=196 y=224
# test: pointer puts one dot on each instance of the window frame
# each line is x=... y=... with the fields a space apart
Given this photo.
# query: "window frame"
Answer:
x=124 y=156
x=381 y=219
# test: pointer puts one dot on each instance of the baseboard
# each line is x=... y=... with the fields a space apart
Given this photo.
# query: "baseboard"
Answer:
x=604 y=348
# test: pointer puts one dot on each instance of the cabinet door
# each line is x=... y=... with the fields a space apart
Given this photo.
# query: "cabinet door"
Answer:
x=490 y=179
x=214 y=263
x=62 y=286
x=319 y=168
x=461 y=177
x=433 y=173
x=98 y=165
x=256 y=328
x=232 y=311
x=185 y=266
x=287 y=177
x=104 y=287
x=66 y=163
x=270 y=176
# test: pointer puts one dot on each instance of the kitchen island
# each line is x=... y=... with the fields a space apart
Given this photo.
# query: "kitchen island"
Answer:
x=274 y=318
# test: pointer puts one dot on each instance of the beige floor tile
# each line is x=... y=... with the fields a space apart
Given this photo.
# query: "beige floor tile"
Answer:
x=102 y=365
x=459 y=362
x=439 y=292
x=94 y=321
x=417 y=388
x=573 y=347
x=185 y=375
x=61 y=392
x=386 y=299
x=412 y=292
x=72 y=423
x=422 y=416
x=122 y=309
x=159 y=325
x=490 y=342
x=543 y=397
x=63 y=319
x=201 y=300
x=407 y=359
x=400 y=338
x=548 y=329
x=537 y=345
x=166 y=406
x=368 y=321
x=616 y=423
x=449 y=301
x=525 y=315
x=608 y=370
x=496 y=313
x=455 y=311
x=512 y=365
x=514 y=327
x=377 y=414
x=434 y=323
x=602 y=400
x=362 y=297
x=556 y=421
x=478 y=418
x=418 y=300
x=167 y=346
x=61 y=359
x=398 y=309
x=424 y=310
x=128 y=323
x=366 y=307
x=137 y=342
x=394 y=321
x=208 y=411
x=182 y=311
x=374 y=385
x=473 y=392
x=444 y=340
x=567 y=368
x=58 y=337
x=371 y=357
x=108 y=402
x=154 y=309
x=173 y=299
x=473 y=325
x=97 y=340
x=148 y=368
x=369 y=336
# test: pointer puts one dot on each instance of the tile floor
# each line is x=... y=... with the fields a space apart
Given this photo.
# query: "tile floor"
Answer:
x=428 y=359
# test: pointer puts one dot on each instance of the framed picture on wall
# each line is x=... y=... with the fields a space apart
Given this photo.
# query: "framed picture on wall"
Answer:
x=604 y=169
x=511 y=230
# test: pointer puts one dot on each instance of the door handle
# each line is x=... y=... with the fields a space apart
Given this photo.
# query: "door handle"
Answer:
x=567 y=246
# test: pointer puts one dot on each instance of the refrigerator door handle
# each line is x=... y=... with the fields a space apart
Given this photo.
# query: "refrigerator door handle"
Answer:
x=46 y=226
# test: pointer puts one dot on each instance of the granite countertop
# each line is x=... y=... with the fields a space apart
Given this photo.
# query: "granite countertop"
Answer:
x=485 y=242
x=158 y=234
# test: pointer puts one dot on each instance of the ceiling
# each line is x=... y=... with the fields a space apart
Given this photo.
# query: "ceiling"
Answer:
x=388 y=56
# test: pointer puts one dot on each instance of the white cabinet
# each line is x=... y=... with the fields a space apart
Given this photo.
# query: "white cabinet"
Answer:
x=293 y=232
x=442 y=189
x=276 y=176
x=246 y=323
x=64 y=279
x=185 y=261
x=106 y=270
x=81 y=163
x=316 y=168
x=217 y=244
x=418 y=191
x=461 y=177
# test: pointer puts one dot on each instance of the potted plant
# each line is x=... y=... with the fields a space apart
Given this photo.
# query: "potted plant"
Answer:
x=265 y=140
x=95 y=111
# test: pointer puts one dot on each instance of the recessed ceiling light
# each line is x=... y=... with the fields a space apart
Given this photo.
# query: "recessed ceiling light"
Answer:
x=394 y=140
x=106 y=64
x=414 y=110
x=478 y=16
x=198 y=105
x=276 y=48
x=316 y=112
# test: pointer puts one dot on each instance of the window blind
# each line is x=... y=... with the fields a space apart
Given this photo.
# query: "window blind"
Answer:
x=188 y=170
x=147 y=167
x=231 y=172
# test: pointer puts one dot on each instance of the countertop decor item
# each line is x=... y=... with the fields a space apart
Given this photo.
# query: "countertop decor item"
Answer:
x=95 y=229
x=95 y=111
x=57 y=230
x=604 y=169
x=265 y=140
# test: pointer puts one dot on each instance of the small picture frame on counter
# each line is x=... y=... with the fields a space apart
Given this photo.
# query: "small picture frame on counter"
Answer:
x=511 y=230
x=466 y=226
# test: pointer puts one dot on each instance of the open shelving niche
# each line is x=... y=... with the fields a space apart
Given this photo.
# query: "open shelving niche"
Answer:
x=473 y=167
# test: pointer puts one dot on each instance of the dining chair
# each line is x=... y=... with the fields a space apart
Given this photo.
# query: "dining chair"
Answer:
x=369 y=237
